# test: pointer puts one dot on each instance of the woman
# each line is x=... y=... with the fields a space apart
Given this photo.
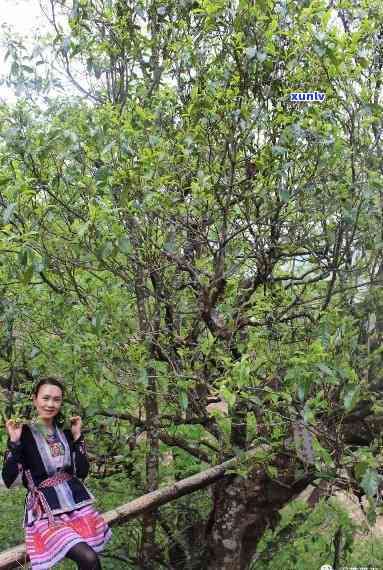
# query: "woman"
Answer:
x=59 y=519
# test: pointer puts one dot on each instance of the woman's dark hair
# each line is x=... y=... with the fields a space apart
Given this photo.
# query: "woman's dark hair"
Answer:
x=51 y=381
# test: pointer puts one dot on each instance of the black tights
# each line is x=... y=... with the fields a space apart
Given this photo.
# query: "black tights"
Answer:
x=85 y=557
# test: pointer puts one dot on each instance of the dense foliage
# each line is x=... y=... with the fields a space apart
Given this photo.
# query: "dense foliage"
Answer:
x=180 y=231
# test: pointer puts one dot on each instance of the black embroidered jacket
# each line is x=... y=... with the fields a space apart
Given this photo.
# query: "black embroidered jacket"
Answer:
x=34 y=453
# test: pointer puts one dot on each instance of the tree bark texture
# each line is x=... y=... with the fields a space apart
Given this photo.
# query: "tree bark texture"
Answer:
x=244 y=507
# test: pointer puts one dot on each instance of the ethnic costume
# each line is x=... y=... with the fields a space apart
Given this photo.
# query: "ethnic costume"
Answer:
x=58 y=511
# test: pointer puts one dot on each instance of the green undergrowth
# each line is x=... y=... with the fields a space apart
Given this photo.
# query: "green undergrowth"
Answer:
x=305 y=539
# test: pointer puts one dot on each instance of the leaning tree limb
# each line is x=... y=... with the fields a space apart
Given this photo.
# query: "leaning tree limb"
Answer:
x=13 y=557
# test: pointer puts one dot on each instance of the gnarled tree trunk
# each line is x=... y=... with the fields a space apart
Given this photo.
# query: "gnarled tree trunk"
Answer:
x=244 y=507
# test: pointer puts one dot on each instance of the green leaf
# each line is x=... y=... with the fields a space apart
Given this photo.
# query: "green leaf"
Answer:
x=83 y=228
x=302 y=391
x=325 y=369
x=8 y=212
x=4 y=180
x=170 y=246
x=284 y=195
x=244 y=372
x=23 y=257
x=228 y=396
x=371 y=516
x=102 y=174
x=96 y=323
x=183 y=400
x=143 y=377
x=278 y=150
x=272 y=471
x=105 y=250
x=370 y=482
x=251 y=52
x=124 y=245
x=350 y=397
x=27 y=275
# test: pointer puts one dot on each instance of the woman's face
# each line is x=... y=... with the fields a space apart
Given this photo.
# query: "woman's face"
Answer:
x=48 y=401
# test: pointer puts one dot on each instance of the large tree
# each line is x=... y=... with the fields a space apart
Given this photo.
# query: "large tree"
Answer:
x=183 y=231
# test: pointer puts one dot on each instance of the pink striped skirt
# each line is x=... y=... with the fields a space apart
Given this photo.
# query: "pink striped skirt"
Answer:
x=46 y=545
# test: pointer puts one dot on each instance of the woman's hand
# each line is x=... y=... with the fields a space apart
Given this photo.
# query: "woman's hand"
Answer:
x=75 y=426
x=14 y=429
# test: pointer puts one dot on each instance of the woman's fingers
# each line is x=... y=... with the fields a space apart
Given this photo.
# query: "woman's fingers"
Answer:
x=13 y=422
x=75 y=419
x=14 y=427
